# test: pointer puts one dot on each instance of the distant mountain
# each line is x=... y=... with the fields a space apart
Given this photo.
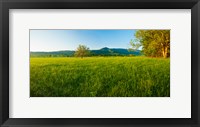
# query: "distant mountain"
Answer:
x=114 y=52
x=101 y=52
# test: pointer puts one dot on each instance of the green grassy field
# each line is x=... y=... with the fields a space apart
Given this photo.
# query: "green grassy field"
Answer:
x=100 y=77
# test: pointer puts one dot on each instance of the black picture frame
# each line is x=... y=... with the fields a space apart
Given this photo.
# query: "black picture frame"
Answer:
x=5 y=5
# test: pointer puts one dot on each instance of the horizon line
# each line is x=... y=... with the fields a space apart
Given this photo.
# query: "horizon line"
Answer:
x=75 y=49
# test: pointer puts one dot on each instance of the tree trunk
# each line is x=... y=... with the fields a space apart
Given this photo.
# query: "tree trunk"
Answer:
x=164 y=51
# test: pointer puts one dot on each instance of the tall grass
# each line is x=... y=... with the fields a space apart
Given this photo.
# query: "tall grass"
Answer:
x=100 y=77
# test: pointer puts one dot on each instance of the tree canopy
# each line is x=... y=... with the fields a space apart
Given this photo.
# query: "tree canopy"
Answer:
x=155 y=43
x=82 y=51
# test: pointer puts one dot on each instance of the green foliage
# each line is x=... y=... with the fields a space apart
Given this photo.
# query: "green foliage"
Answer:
x=100 y=77
x=82 y=51
x=134 y=45
x=155 y=43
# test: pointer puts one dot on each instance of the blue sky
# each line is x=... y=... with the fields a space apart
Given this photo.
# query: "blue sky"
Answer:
x=56 y=40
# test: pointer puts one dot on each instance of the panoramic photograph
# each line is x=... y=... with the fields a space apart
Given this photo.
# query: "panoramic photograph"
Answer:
x=99 y=63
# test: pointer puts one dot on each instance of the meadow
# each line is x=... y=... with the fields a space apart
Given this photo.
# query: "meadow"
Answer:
x=100 y=77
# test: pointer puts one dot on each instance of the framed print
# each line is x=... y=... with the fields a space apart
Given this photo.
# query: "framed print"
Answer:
x=99 y=63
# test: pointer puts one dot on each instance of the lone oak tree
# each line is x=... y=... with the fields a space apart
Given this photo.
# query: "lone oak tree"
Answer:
x=82 y=51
